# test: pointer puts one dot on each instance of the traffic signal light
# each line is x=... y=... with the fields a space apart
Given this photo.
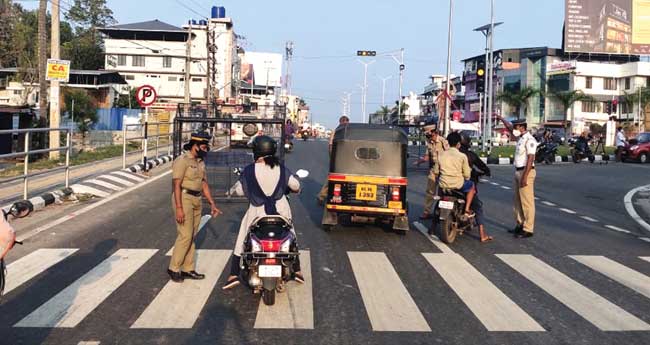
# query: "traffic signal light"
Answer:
x=614 y=104
x=366 y=53
x=480 y=77
x=608 y=107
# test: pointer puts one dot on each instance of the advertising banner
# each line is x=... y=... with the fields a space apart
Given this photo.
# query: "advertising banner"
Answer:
x=58 y=70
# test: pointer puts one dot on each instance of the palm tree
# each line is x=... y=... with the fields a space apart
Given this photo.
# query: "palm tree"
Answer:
x=518 y=99
x=643 y=97
x=568 y=98
x=381 y=115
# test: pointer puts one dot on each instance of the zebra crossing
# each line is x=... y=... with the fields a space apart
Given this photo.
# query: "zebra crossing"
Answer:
x=387 y=300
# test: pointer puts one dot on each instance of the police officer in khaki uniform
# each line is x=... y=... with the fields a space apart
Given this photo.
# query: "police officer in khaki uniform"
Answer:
x=435 y=145
x=189 y=184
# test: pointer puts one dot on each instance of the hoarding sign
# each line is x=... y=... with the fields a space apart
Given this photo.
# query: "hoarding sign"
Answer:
x=561 y=67
x=607 y=26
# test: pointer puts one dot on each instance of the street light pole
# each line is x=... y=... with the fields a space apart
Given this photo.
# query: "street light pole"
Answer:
x=448 y=81
x=491 y=76
x=383 y=89
x=365 y=87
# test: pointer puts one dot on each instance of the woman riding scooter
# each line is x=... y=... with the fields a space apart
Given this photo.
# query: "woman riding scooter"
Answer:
x=265 y=183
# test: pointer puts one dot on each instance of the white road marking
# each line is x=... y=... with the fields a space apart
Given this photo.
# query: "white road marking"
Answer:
x=616 y=228
x=204 y=220
x=484 y=180
x=83 y=189
x=505 y=187
x=589 y=219
x=591 y=306
x=612 y=269
x=645 y=239
x=493 y=308
x=90 y=207
x=127 y=175
x=293 y=308
x=118 y=180
x=33 y=264
x=494 y=183
x=566 y=210
x=91 y=342
x=433 y=239
x=70 y=306
x=536 y=198
x=388 y=303
x=646 y=258
x=629 y=206
x=548 y=203
x=178 y=305
x=105 y=184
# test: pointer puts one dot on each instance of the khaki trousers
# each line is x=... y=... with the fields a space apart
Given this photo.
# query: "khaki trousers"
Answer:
x=184 y=248
x=524 y=205
x=322 y=195
x=429 y=194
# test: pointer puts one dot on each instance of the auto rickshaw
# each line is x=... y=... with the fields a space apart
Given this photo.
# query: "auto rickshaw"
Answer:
x=367 y=177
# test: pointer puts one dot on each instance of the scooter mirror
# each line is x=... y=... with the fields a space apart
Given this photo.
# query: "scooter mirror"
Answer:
x=302 y=173
x=21 y=209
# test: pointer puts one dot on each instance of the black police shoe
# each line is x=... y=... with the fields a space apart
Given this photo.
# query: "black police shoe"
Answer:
x=176 y=277
x=524 y=234
x=192 y=275
x=517 y=229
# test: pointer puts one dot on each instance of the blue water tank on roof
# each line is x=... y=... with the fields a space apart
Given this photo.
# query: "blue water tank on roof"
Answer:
x=203 y=22
x=221 y=12
x=215 y=12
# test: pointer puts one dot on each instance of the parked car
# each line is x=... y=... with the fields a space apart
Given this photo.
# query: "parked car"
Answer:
x=638 y=149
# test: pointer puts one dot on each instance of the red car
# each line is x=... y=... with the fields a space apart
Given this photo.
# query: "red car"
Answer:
x=638 y=149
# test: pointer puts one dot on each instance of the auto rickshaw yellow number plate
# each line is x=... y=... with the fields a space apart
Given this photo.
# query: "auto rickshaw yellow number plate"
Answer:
x=367 y=192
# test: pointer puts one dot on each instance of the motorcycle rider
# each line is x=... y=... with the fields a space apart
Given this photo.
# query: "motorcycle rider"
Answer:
x=265 y=183
x=453 y=171
x=288 y=131
x=479 y=168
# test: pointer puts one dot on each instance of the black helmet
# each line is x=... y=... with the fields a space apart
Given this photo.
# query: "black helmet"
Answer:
x=465 y=139
x=263 y=146
x=199 y=138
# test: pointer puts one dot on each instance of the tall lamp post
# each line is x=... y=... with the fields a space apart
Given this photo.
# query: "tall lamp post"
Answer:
x=448 y=75
x=365 y=87
x=383 y=89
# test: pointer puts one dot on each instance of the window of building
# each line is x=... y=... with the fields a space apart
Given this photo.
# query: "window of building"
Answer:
x=610 y=84
x=625 y=108
x=628 y=83
x=129 y=77
x=558 y=82
x=167 y=61
x=138 y=60
x=17 y=92
x=121 y=60
x=647 y=81
x=197 y=79
x=588 y=82
x=153 y=76
x=171 y=78
x=588 y=107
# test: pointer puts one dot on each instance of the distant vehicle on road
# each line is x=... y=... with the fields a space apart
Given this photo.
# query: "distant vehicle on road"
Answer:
x=638 y=149
x=241 y=133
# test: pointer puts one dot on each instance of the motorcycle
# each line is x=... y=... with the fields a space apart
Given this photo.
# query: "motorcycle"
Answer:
x=304 y=134
x=270 y=253
x=581 y=150
x=546 y=152
x=288 y=145
x=450 y=219
x=7 y=235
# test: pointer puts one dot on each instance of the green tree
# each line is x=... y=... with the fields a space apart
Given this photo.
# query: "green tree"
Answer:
x=90 y=14
x=518 y=99
x=568 y=98
x=85 y=112
x=86 y=50
x=128 y=101
x=632 y=99
x=381 y=115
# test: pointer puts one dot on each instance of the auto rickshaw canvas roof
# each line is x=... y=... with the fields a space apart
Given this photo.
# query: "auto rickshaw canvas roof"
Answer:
x=370 y=132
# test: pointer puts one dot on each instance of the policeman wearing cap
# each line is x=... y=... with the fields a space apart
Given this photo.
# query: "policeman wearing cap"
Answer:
x=435 y=145
x=189 y=184
x=524 y=181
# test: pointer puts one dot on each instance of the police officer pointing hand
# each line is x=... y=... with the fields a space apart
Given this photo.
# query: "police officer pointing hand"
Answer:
x=189 y=185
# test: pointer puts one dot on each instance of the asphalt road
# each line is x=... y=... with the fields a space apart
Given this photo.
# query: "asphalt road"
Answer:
x=580 y=280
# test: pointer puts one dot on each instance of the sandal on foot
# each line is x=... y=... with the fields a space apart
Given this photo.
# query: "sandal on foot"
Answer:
x=299 y=278
x=487 y=239
x=231 y=284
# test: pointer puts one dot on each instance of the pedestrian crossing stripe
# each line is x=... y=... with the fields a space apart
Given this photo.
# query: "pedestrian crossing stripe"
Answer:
x=387 y=309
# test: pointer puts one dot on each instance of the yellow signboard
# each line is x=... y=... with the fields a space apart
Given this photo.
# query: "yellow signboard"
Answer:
x=58 y=70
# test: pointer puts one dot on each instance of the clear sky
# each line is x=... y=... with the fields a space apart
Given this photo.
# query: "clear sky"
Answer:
x=327 y=34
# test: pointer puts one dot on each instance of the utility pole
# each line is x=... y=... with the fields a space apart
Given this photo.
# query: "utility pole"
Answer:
x=491 y=76
x=401 y=82
x=188 y=67
x=288 y=57
x=210 y=49
x=42 y=58
x=55 y=110
x=365 y=87
x=448 y=81
x=346 y=103
x=487 y=31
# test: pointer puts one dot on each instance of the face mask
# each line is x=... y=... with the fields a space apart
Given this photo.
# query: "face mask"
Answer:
x=201 y=154
x=516 y=133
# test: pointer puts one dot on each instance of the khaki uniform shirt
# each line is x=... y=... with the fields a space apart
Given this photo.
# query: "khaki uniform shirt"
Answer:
x=434 y=148
x=453 y=169
x=190 y=170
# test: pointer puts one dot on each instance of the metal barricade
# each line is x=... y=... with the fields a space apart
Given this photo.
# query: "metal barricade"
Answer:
x=28 y=152
x=144 y=137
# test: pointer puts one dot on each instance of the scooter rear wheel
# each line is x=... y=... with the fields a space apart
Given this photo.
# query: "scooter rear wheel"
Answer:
x=447 y=231
x=268 y=296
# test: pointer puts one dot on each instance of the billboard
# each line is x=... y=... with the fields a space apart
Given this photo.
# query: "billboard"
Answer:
x=262 y=68
x=607 y=26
